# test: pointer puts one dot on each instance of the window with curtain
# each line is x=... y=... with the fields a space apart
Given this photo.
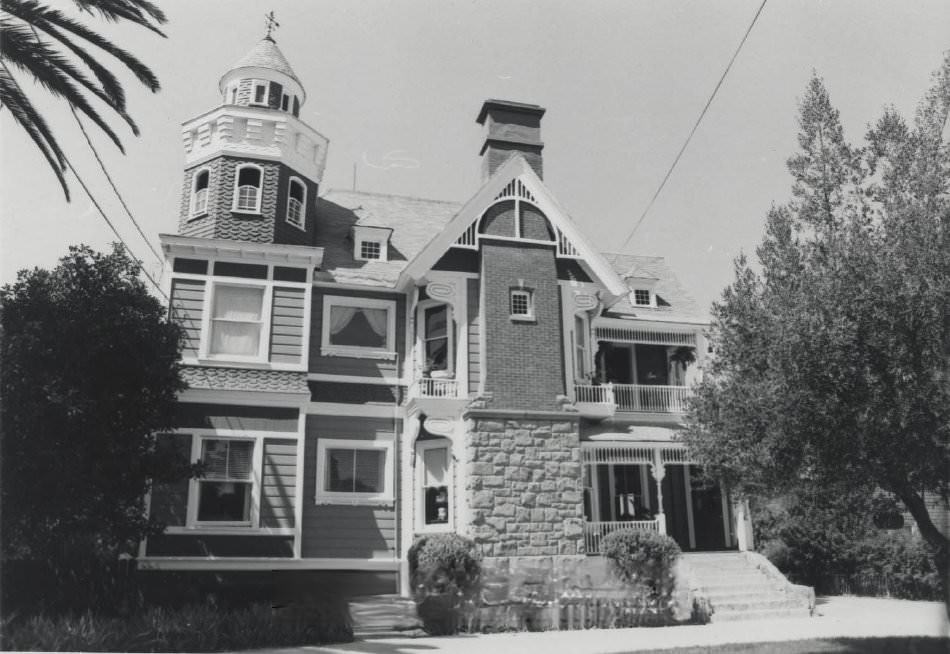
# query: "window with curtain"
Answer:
x=435 y=485
x=295 y=204
x=358 y=327
x=237 y=320
x=225 y=490
x=248 y=189
x=201 y=193
x=436 y=337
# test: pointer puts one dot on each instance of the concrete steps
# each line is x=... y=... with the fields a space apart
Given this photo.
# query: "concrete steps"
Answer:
x=383 y=615
x=738 y=590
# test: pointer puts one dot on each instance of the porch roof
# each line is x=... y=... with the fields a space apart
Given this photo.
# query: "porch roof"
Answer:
x=635 y=434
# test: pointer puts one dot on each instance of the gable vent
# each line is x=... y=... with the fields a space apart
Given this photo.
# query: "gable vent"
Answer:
x=516 y=189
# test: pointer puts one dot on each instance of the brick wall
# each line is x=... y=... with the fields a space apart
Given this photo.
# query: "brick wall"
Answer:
x=523 y=359
x=497 y=153
x=523 y=488
x=268 y=227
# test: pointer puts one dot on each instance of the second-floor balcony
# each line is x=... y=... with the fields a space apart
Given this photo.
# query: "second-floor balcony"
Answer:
x=604 y=400
x=438 y=396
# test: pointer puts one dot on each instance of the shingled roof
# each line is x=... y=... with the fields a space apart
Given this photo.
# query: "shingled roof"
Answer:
x=266 y=54
x=414 y=222
x=673 y=300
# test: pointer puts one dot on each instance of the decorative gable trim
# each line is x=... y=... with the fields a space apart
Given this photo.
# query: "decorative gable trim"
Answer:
x=513 y=178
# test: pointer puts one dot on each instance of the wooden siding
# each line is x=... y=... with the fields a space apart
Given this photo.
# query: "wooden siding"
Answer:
x=345 y=531
x=169 y=501
x=341 y=365
x=187 y=303
x=286 y=337
x=343 y=393
x=278 y=482
x=474 y=336
x=226 y=416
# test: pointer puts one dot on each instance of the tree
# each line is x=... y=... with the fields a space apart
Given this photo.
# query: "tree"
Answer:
x=61 y=63
x=89 y=378
x=832 y=361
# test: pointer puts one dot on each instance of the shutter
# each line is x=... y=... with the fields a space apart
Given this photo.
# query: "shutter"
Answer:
x=273 y=97
x=296 y=106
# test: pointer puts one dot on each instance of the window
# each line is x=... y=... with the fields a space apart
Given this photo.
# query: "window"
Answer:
x=199 y=200
x=433 y=466
x=225 y=490
x=248 y=197
x=641 y=297
x=435 y=337
x=370 y=250
x=237 y=319
x=260 y=93
x=580 y=348
x=234 y=90
x=355 y=472
x=284 y=102
x=358 y=327
x=521 y=305
x=296 y=204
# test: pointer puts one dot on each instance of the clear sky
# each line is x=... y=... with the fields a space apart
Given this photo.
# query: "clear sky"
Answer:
x=396 y=87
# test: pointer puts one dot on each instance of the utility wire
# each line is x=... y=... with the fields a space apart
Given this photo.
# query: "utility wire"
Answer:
x=112 y=184
x=695 y=127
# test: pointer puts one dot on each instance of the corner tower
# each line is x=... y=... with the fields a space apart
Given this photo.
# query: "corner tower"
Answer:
x=252 y=167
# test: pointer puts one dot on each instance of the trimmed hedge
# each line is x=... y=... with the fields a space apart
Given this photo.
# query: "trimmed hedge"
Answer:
x=640 y=557
x=195 y=628
x=446 y=572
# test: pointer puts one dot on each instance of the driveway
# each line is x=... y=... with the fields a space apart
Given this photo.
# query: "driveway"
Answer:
x=836 y=617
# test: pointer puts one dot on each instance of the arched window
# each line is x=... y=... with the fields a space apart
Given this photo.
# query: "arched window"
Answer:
x=199 y=193
x=248 y=196
x=297 y=204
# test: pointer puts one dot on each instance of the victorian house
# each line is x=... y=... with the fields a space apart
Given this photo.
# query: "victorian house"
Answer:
x=364 y=368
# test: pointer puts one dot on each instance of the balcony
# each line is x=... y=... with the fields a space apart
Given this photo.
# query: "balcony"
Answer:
x=438 y=396
x=604 y=401
x=594 y=532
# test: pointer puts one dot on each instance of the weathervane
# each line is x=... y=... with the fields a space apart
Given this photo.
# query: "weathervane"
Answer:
x=272 y=23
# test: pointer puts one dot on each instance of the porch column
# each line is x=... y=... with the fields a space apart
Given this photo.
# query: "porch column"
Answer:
x=743 y=526
x=659 y=472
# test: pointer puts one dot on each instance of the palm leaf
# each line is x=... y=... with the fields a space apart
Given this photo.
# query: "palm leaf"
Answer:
x=140 y=12
x=19 y=46
x=35 y=14
x=32 y=122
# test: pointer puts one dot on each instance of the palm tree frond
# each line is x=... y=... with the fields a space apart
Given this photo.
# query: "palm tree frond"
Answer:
x=32 y=12
x=140 y=12
x=25 y=114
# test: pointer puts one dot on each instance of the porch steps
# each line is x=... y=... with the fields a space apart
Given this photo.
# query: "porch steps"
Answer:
x=379 y=616
x=737 y=590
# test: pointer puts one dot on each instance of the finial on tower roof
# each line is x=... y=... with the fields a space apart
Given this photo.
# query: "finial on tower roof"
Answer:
x=272 y=24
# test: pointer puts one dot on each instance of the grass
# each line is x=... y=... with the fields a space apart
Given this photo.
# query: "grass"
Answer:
x=888 y=645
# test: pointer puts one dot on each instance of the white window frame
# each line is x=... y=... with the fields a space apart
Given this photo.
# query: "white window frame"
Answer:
x=302 y=225
x=235 y=204
x=650 y=298
x=421 y=332
x=321 y=496
x=582 y=362
x=380 y=244
x=529 y=295
x=419 y=489
x=207 y=327
x=194 y=488
x=195 y=212
x=358 y=351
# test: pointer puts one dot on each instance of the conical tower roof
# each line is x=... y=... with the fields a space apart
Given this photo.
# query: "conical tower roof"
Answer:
x=265 y=54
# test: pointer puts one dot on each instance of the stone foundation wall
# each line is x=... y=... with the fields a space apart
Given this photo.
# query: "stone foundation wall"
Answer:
x=523 y=486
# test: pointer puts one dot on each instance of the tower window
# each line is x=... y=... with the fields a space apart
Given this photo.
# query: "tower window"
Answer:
x=296 y=106
x=285 y=102
x=248 y=197
x=260 y=93
x=296 y=204
x=234 y=90
x=199 y=202
x=521 y=304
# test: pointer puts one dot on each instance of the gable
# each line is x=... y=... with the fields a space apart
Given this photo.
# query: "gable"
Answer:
x=513 y=205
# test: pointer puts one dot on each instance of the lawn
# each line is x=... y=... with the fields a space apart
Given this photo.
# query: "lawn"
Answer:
x=888 y=645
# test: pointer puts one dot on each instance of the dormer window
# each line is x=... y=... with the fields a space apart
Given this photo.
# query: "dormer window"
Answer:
x=199 y=196
x=297 y=204
x=248 y=191
x=371 y=243
x=641 y=297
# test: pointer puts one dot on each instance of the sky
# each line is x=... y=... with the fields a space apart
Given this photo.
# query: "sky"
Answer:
x=396 y=87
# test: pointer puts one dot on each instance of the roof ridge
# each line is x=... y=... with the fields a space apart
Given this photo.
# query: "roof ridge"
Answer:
x=629 y=254
x=389 y=195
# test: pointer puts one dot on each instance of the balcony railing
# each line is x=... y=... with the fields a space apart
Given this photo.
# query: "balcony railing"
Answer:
x=594 y=532
x=428 y=387
x=651 y=399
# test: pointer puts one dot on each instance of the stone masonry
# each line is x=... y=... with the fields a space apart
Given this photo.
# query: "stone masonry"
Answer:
x=523 y=488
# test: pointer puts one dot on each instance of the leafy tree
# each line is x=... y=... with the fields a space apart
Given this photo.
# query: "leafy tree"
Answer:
x=832 y=357
x=52 y=48
x=90 y=375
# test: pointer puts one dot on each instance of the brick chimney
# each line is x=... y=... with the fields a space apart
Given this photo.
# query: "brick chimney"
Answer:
x=513 y=128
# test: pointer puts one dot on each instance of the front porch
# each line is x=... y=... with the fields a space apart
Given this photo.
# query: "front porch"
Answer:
x=654 y=486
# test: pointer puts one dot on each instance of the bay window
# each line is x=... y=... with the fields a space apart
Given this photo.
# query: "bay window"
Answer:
x=436 y=338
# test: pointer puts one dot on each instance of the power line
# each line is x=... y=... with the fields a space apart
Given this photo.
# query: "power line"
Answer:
x=112 y=184
x=695 y=127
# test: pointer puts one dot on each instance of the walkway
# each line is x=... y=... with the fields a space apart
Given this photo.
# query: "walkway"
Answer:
x=837 y=617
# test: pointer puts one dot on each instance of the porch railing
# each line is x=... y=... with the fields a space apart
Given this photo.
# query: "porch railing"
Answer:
x=594 y=532
x=603 y=394
x=429 y=387
x=651 y=399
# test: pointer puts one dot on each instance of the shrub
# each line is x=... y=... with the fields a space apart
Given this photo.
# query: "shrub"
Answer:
x=445 y=570
x=195 y=628
x=642 y=557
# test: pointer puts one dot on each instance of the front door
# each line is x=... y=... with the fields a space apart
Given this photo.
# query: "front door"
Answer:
x=708 y=524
